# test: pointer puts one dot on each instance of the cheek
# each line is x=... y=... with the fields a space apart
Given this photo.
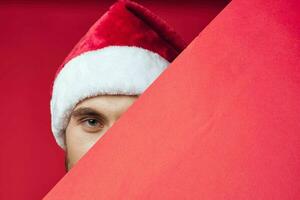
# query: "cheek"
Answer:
x=78 y=142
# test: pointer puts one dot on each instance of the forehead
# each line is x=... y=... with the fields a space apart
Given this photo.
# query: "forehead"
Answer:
x=108 y=104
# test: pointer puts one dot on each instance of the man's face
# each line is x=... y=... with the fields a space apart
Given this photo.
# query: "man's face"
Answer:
x=90 y=119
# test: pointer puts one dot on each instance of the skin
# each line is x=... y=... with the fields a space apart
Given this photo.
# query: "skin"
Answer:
x=89 y=120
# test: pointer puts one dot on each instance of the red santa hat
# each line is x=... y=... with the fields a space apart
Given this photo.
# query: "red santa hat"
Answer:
x=122 y=53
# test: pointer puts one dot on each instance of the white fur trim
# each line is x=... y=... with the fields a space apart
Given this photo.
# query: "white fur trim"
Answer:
x=125 y=70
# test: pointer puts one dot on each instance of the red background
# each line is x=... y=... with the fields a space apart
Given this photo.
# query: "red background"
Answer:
x=35 y=37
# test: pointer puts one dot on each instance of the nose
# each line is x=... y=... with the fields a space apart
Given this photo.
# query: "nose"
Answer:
x=114 y=118
x=112 y=122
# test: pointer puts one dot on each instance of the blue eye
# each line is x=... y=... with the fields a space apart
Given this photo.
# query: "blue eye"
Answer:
x=93 y=123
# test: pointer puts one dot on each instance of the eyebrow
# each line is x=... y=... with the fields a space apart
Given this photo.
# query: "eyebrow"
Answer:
x=86 y=111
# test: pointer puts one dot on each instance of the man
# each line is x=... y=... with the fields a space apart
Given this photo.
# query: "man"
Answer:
x=118 y=58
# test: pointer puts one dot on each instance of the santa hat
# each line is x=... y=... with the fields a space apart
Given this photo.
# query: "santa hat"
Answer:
x=122 y=53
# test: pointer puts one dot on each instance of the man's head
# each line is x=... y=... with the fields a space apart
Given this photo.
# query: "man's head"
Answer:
x=89 y=120
x=121 y=54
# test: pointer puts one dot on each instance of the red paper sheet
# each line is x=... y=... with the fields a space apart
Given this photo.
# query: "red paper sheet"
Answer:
x=222 y=122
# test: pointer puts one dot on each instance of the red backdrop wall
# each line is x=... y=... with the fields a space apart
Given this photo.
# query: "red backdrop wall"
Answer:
x=35 y=37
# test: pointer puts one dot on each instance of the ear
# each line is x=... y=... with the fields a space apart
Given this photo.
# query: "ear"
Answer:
x=66 y=152
x=65 y=139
